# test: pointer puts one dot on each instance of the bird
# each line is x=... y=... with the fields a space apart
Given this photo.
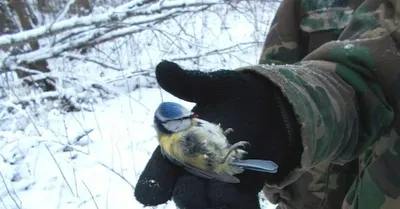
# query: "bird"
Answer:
x=201 y=147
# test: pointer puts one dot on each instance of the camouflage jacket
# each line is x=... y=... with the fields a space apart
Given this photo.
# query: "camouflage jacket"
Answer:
x=337 y=62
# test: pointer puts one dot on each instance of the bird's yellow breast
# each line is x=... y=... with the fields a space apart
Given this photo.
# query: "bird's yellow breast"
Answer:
x=169 y=142
x=172 y=146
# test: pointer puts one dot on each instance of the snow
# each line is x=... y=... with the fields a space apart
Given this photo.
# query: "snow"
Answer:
x=55 y=168
x=91 y=157
x=122 y=139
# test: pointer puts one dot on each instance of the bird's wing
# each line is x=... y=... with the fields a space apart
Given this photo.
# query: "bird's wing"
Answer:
x=201 y=173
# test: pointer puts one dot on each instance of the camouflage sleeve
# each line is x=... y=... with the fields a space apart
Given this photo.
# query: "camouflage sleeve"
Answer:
x=341 y=92
x=281 y=45
x=325 y=106
x=300 y=27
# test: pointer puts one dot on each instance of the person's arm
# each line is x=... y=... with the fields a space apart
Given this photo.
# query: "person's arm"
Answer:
x=342 y=93
x=337 y=94
x=299 y=27
x=283 y=44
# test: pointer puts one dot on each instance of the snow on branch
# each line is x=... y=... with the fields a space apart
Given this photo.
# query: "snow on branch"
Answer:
x=87 y=31
x=81 y=93
x=113 y=15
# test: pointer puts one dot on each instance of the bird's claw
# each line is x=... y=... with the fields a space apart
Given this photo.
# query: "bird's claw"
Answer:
x=227 y=131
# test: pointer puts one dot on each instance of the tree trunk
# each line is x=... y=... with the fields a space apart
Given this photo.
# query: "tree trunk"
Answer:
x=20 y=8
x=44 y=6
x=7 y=22
x=81 y=7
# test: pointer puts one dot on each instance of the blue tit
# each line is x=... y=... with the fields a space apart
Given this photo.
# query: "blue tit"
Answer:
x=201 y=147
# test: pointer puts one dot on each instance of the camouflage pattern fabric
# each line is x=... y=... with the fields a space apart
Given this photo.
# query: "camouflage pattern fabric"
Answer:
x=323 y=186
x=345 y=93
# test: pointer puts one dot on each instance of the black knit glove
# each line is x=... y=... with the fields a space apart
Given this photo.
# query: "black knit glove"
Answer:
x=246 y=102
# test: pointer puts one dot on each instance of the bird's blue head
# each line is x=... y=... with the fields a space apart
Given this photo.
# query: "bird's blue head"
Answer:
x=171 y=117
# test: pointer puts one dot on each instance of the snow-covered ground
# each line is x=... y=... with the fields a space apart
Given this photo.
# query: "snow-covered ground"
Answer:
x=92 y=158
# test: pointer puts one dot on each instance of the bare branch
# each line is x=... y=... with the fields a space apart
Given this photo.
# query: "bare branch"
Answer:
x=114 y=15
x=213 y=52
x=9 y=192
x=89 y=59
x=129 y=75
x=92 y=37
x=91 y=195
x=118 y=174
x=59 y=168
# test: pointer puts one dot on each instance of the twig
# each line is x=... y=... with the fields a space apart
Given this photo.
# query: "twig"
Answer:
x=4 y=204
x=64 y=11
x=209 y=53
x=76 y=182
x=95 y=203
x=97 y=122
x=8 y=191
x=131 y=4
x=122 y=177
x=129 y=75
x=59 y=168
x=80 y=136
x=88 y=59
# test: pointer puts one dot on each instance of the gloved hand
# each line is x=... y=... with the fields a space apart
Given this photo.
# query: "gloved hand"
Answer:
x=258 y=113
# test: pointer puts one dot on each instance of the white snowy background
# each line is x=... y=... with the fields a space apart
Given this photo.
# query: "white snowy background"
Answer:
x=91 y=158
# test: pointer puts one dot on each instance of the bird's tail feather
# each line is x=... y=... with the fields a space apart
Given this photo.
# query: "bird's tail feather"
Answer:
x=257 y=165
